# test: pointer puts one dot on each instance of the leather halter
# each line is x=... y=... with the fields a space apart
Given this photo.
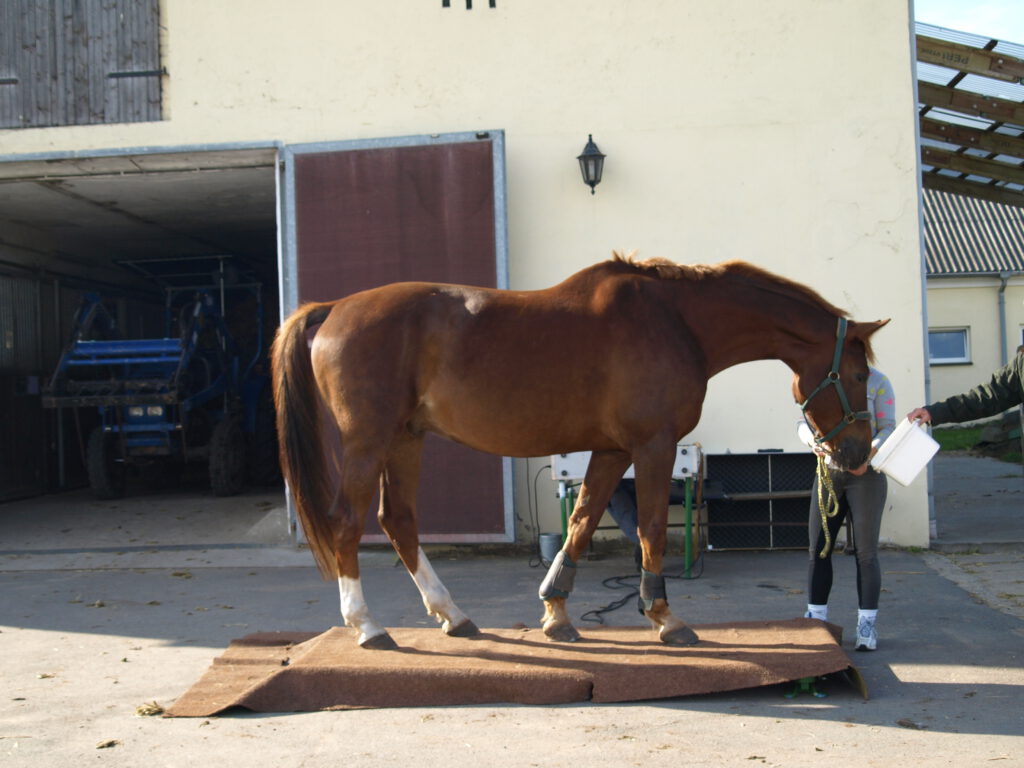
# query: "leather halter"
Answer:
x=832 y=379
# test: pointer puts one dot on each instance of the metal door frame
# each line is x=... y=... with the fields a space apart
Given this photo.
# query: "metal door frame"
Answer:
x=287 y=268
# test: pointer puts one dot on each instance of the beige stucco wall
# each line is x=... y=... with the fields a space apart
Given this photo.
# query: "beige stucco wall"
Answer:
x=973 y=303
x=782 y=133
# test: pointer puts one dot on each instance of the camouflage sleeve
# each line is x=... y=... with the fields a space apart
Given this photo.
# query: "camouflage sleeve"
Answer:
x=1004 y=390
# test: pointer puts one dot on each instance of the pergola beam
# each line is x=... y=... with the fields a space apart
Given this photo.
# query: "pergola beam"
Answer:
x=961 y=135
x=968 y=103
x=966 y=58
x=974 y=166
x=974 y=189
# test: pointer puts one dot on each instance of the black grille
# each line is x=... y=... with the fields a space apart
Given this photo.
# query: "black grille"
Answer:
x=759 y=501
x=792 y=471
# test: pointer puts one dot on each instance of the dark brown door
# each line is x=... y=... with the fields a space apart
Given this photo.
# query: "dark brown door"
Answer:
x=370 y=215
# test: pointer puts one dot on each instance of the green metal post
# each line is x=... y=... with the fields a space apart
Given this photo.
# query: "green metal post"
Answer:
x=563 y=494
x=568 y=503
x=688 y=536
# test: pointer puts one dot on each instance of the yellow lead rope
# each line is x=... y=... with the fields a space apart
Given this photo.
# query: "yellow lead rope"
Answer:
x=828 y=503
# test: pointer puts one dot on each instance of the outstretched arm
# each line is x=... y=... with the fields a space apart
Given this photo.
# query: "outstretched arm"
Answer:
x=920 y=414
x=1004 y=390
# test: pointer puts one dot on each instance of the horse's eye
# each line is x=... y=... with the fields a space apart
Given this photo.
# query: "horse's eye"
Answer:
x=861 y=377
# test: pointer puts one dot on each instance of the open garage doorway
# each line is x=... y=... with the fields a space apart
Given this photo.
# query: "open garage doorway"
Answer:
x=122 y=225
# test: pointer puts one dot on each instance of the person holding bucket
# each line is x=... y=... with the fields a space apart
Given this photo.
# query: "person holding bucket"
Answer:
x=860 y=495
x=1003 y=391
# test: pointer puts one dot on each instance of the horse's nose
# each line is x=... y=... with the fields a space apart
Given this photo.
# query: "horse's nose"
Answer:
x=850 y=453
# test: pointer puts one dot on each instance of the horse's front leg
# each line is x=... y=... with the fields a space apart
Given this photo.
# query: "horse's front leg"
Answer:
x=653 y=481
x=603 y=474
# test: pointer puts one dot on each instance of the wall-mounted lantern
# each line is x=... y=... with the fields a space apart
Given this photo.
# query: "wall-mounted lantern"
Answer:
x=591 y=164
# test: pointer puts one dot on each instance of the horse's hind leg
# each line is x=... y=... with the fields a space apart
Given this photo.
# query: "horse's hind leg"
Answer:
x=397 y=517
x=358 y=480
x=603 y=474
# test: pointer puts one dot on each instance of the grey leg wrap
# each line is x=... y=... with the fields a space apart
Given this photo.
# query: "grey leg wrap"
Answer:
x=560 y=578
x=652 y=587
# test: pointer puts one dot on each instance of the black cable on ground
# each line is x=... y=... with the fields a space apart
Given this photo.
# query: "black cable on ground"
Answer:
x=615 y=582
x=632 y=582
x=534 y=515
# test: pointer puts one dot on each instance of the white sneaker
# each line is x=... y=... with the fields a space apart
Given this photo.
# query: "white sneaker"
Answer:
x=867 y=635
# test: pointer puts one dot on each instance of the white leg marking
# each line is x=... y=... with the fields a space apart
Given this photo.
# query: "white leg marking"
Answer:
x=354 y=610
x=436 y=598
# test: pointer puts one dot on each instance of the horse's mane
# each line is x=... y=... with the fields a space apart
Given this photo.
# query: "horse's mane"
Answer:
x=669 y=270
x=743 y=270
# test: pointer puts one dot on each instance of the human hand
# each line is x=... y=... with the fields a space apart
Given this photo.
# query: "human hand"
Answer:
x=920 y=414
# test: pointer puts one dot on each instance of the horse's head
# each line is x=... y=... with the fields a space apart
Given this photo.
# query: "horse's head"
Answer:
x=831 y=388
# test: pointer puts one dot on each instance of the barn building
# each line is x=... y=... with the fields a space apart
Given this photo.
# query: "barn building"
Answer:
x=340 y=146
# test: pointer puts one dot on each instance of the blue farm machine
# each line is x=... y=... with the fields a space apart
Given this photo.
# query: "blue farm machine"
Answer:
x=190 y=396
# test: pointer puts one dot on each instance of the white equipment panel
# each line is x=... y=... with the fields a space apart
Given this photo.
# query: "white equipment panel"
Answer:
x=573 y=466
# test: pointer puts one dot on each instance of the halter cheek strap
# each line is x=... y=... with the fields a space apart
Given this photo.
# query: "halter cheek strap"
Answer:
x=832 y=380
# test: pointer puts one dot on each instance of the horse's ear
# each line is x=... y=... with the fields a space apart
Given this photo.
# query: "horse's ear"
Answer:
x=865 y=331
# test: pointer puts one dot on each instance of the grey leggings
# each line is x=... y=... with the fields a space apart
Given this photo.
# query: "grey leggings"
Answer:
x=862 y=497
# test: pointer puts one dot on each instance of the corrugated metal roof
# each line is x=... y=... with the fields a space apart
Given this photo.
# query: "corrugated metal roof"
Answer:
x=968 y=236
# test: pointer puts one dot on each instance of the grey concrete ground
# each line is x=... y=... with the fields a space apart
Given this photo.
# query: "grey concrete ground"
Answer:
x=105 y=607
x=979 y=503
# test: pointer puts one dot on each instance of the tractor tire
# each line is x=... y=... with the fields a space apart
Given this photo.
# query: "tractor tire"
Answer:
x=227 y=458
x=106 y=474
x=264 y=467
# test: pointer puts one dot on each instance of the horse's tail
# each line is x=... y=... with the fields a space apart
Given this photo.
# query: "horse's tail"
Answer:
x=299 y=432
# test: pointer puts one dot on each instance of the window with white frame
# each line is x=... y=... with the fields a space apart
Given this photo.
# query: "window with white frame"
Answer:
x=947 y=346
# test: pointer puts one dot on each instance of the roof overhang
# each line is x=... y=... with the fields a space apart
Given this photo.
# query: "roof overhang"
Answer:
x=971 y=109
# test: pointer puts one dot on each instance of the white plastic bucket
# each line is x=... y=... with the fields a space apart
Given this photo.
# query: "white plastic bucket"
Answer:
x=905 y=453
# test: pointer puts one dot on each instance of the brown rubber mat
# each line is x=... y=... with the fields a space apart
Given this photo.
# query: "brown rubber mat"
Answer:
x=293 y=672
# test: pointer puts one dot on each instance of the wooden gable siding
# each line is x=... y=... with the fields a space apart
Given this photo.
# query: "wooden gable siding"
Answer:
x=79 y=62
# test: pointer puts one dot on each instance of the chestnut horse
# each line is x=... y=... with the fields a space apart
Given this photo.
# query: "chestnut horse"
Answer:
x=614 y=360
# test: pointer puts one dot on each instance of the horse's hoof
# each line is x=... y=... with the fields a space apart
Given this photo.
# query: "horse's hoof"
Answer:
x=381 y=642
x=561 y=633
x=680 y=636
x=466 y=629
